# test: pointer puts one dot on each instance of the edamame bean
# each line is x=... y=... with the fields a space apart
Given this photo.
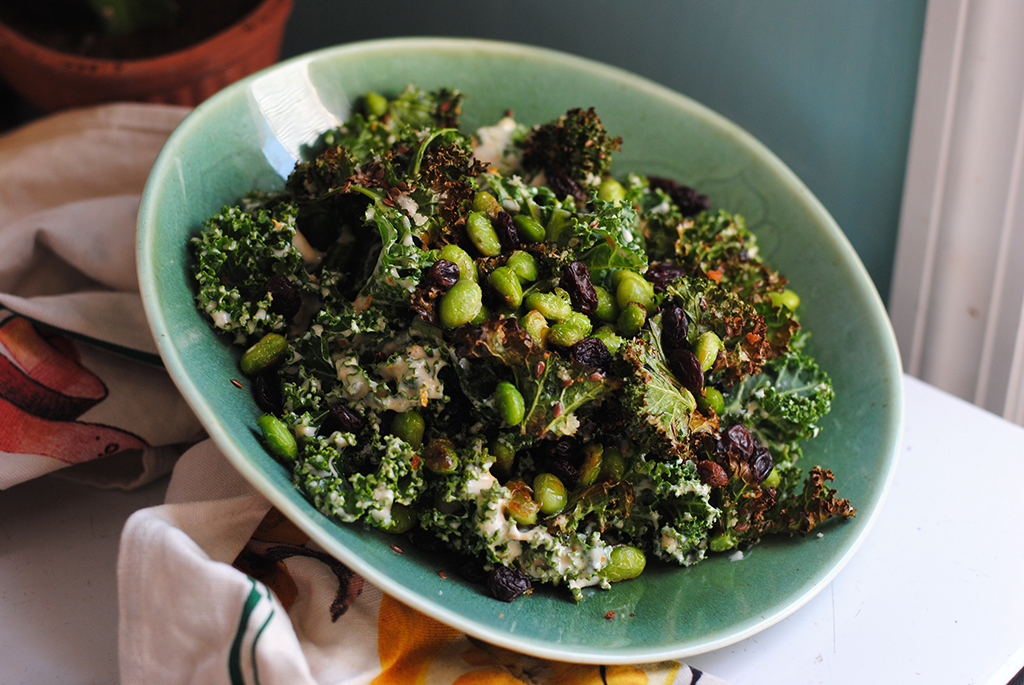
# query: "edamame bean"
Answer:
x=632 y=319
x=461 y=258
x=534 y=323
x=265 y=353
x=440 y=456
x=504 y=455
x=787 y=298
x=482 y=234
x=634 y=288
x=550 y=305
x=609 y=337
x=523 y=265
x=711 y=399
x=409 y=426
x=708 y=347
x=773 y=479
x=566 y=333
x=607 y=307
x=611 y=190
x=277 y=437
x=507 y=285
x=613 y=464
x=625 y=562
x=486 y=203
x=461 y=304
x=509 y=403
x=529 y=229
x=590 y=469
x=521 y=505
x=550 y=493
x=403 y=518
x=376 y=104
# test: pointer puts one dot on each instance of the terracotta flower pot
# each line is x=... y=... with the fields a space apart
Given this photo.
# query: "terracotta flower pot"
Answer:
x=52 y=80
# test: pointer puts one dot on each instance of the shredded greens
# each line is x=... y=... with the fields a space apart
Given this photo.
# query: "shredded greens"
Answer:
x=495 y=347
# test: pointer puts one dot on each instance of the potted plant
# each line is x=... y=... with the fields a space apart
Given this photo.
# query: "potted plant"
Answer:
x=65 y=53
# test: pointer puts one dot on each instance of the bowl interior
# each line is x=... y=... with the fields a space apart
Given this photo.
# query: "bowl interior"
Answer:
x=249 y=136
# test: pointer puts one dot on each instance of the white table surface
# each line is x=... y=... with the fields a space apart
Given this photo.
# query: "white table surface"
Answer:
x=934 y=595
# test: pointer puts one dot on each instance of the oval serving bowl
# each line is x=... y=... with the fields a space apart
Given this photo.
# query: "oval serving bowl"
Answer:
x=251 y=134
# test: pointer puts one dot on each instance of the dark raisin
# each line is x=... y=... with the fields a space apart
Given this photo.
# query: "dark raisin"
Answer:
x=285 y=297
x=508 y=236
x=674 y=326
x=762 y=463
x=266 y=391
x=341 y=419
x=686 y=367
x=566 y=471
x=711 y=473
x=591 y=352
x=507 y=583
x=739 y=439
x=566 y=449
x=576 y=282
x=689 y=201
x=443 y=274
x=562 y=185
x=662 y=273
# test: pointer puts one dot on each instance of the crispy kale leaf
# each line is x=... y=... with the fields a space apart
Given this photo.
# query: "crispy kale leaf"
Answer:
x=656 y=406
x=574 y=149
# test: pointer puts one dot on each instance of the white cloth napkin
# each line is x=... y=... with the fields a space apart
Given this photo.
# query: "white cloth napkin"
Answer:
x=215 y=586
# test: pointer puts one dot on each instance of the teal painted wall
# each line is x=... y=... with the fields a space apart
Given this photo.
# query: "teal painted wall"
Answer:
x=826 y=85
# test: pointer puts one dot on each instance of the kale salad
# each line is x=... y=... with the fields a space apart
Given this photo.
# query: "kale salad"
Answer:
x=489 y=344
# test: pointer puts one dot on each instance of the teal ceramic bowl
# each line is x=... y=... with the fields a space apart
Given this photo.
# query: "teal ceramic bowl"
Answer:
x=249 y=136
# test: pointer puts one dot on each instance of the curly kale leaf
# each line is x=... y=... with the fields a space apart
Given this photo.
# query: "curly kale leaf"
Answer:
x=657 y=407
x=783 y=403
x=556 y=392
x=608 y=238
x=575 y=146
x=235 y=254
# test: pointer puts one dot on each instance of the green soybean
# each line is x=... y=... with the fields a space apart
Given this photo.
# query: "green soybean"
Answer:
x=550 y=493
x=787 y=298
x=482 y=234
x=611 y=339
x=277 y=437
x=485 y=203
x=773 y=479
x=376 y=104
x=481 y=316
x=529 y=229
x=510 y=403
x=403 y=519
x=613 y=464
x=504 y=455
x=440 y=456
x=521 y=506
x=708 y=347
x=523 y=265
x=634 y=288
x=632 y=319
x=409 y=426
x=624 y=562
x=461 y=304
x=590 y=469
x=507 y=285
x=265 y=353
x=611 y=190
x=534 y=323
x=711 y=399
x=551 y=305
x=461 y=258
x=566 y=334
x=607 y=307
